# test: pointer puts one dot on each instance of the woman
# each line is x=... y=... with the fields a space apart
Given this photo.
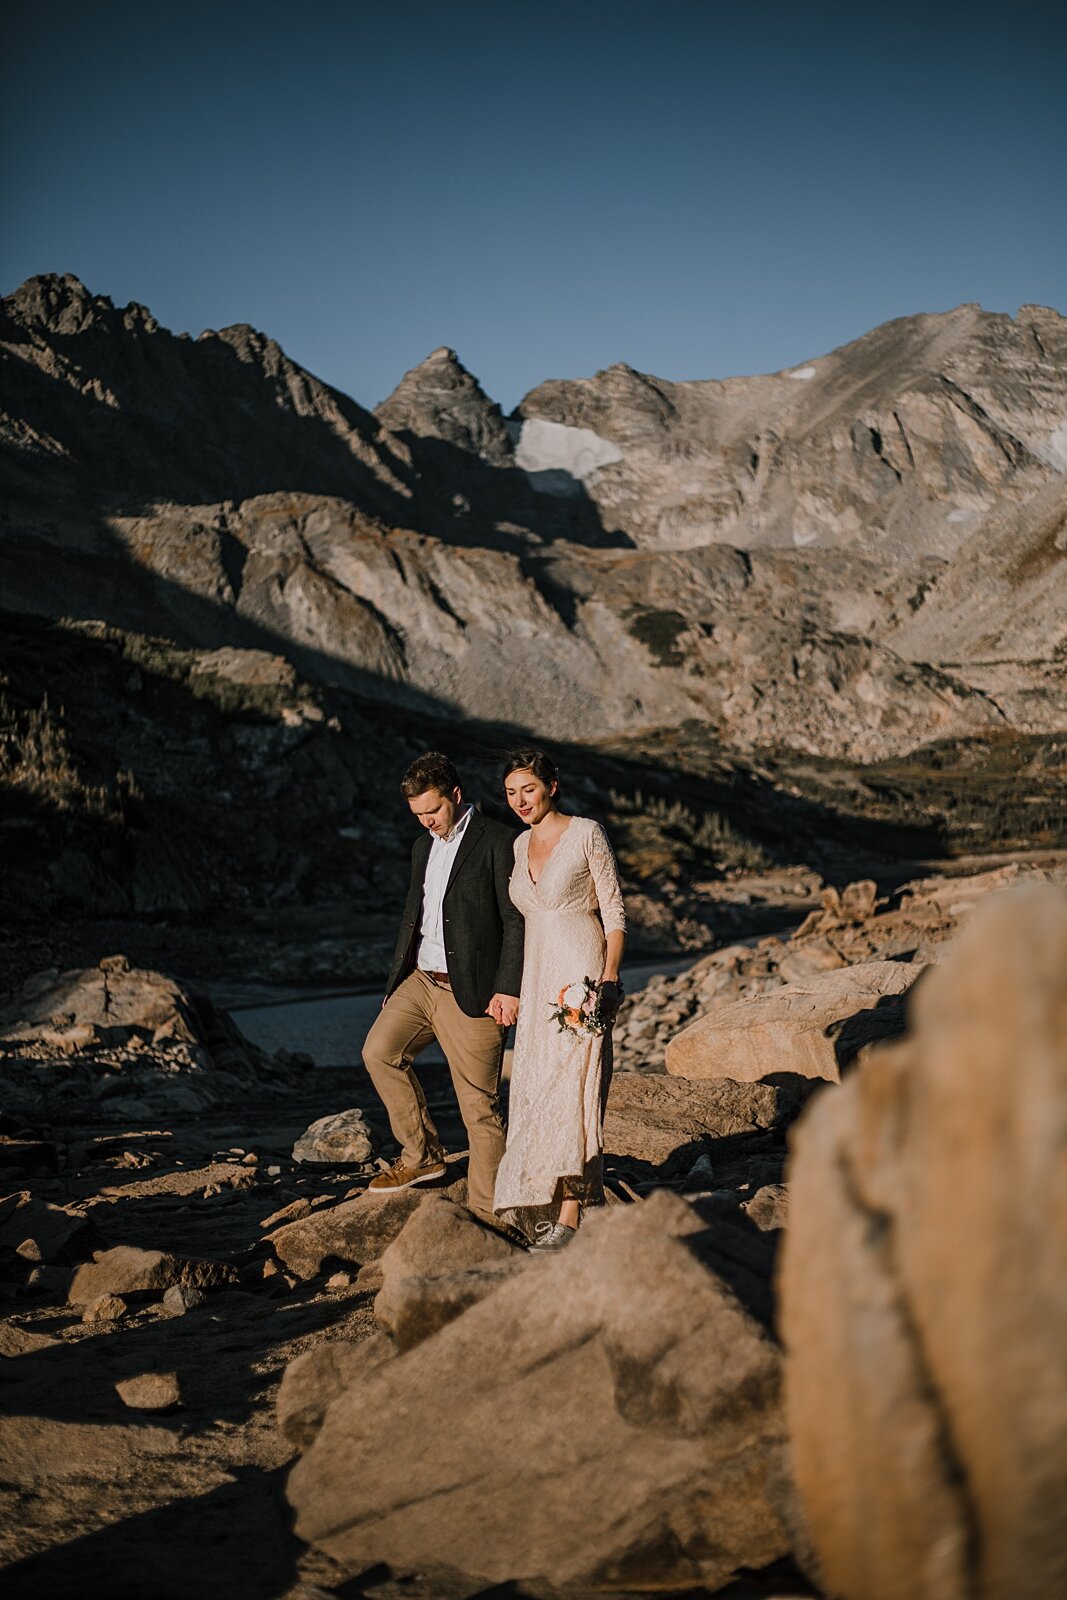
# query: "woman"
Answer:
x=566 y=884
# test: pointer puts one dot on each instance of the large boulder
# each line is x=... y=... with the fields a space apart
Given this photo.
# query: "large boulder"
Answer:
x=811 y=1028
x=109 y=1003
x=607 y=1418
x=924 y=1284
x=439 y=1241
x=660 y=1120
x=115 y=1033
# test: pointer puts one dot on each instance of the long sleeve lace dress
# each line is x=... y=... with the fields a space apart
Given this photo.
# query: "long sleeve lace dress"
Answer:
x=558 y=1079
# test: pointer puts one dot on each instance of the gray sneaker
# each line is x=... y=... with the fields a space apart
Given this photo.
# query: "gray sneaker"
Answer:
x=552 y=1236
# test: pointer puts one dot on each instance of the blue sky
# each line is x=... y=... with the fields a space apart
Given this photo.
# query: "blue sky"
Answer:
x=698 y=189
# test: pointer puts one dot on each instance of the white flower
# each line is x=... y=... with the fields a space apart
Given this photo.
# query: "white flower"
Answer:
x=574 y=995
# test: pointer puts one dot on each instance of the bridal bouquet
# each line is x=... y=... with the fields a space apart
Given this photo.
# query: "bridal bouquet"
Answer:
x=578 y=1008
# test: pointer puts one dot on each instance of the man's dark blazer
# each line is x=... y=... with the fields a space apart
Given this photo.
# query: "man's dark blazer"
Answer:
x=483 y=931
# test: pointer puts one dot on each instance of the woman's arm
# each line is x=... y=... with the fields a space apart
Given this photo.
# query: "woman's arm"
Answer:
x=616 y=944
x=504 y=1005
x=604 y=871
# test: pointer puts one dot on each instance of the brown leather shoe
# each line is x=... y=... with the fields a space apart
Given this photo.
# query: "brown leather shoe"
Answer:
x=400 y=1177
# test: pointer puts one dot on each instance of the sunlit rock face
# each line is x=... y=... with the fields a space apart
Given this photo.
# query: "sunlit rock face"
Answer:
x=897 y=443
x=849 y=558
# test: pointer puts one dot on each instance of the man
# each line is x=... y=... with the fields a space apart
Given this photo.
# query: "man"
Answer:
x=455 y=978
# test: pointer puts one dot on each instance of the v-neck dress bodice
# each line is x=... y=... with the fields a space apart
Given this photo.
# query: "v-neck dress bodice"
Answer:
x=555 y=1118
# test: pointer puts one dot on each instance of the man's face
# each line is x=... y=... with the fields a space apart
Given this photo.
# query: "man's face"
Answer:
x=436 y=811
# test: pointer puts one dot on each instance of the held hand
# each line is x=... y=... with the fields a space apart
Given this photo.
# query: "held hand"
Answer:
x=611 y=993
x=503 y=1008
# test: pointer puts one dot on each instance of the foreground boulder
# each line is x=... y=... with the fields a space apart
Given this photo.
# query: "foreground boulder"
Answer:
x=812 y=1028
x=607 y=1417
x=924 y=1284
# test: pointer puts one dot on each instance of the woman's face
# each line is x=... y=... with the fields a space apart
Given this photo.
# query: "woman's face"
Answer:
x=528 y=795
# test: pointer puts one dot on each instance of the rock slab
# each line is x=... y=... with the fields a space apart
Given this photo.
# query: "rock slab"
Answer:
x=924 y=1284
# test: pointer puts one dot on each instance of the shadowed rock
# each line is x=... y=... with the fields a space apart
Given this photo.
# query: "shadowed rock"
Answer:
x=657 y=1120
x=58 y=1234
x=125 y=1270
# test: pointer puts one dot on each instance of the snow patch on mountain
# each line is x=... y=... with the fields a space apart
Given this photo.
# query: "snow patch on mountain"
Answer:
x=558 y=458
x=1054 y=450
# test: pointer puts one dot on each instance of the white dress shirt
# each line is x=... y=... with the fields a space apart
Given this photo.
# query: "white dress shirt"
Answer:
x=431 y=956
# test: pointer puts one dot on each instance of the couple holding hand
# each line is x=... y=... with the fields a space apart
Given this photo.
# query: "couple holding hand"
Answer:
x=501 y=929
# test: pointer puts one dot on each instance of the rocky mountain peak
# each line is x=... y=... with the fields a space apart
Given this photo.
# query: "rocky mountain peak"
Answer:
x=144 y=415
x=619 y=403
x=59 y=303
x=440 y=399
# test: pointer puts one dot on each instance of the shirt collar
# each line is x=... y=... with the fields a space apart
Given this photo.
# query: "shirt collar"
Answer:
x=457 y=828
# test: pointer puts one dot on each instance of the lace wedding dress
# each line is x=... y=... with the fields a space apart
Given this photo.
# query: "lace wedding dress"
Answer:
x=555 y=1116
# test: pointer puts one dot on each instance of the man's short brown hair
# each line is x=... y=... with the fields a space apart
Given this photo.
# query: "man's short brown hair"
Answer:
x=429 y=771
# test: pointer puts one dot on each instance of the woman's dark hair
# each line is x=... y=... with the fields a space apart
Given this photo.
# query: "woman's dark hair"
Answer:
x=430 y=771
x=530 y=759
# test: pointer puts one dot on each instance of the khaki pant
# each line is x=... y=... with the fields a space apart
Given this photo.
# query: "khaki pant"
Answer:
x=417 y=1012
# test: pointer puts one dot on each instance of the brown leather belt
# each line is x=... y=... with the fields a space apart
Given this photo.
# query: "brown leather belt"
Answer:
x=439 y=977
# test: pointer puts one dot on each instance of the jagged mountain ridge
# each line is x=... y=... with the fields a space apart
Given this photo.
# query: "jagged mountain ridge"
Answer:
x=215 y=493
